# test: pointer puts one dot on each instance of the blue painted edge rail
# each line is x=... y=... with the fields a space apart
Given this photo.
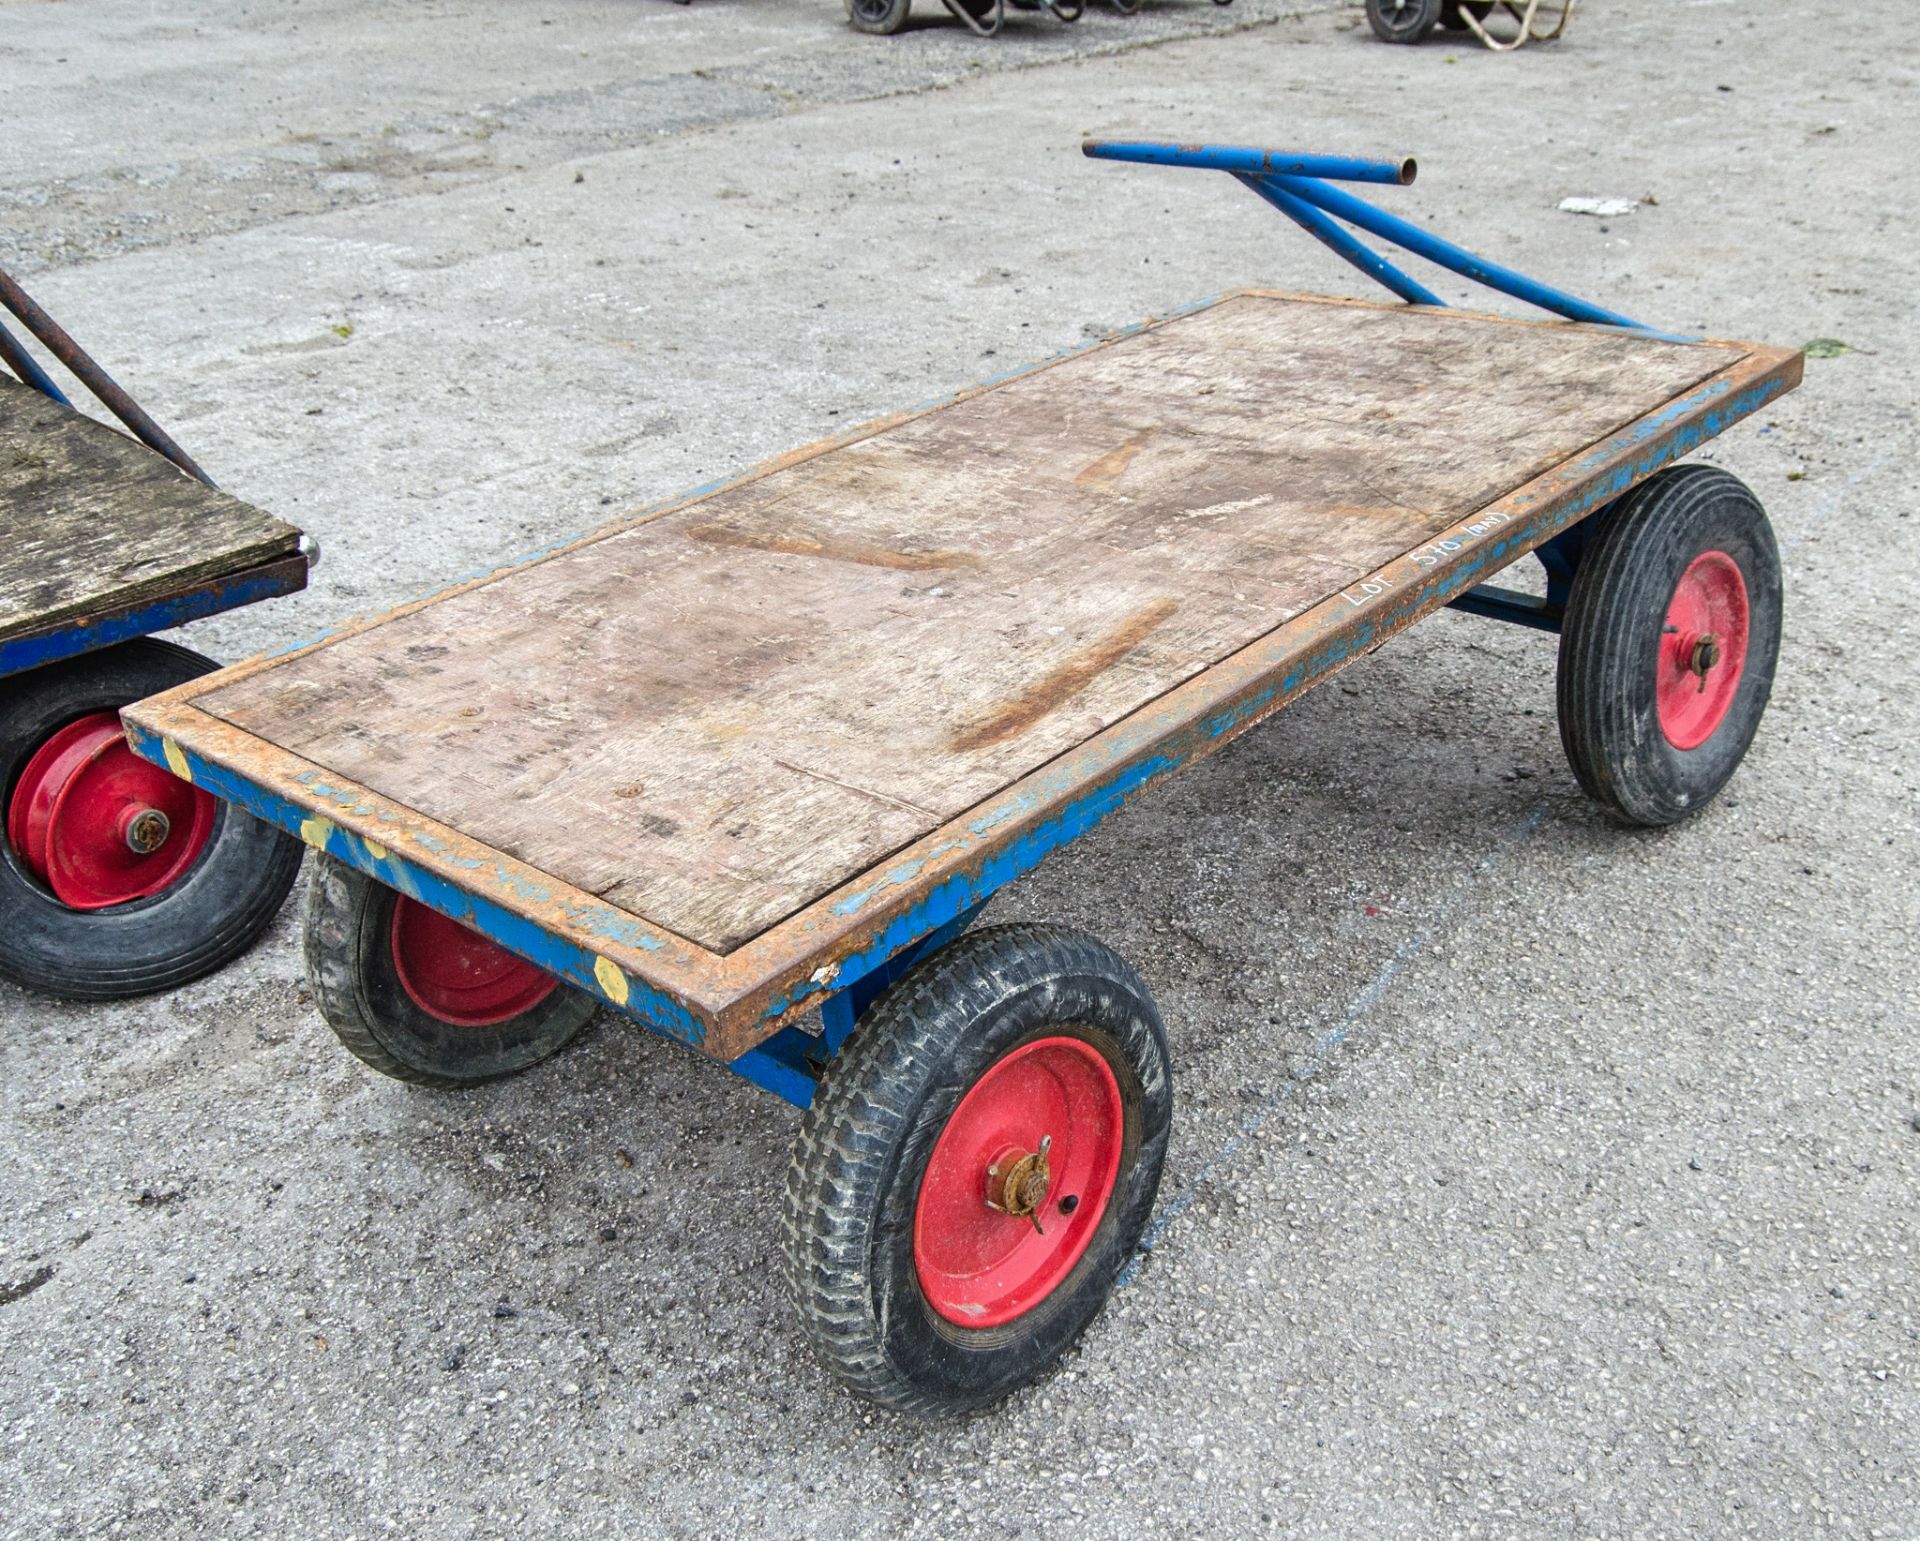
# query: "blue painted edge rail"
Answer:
x=91 y=633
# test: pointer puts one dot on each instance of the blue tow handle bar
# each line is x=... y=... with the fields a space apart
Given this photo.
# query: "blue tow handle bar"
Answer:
x=1299 y=187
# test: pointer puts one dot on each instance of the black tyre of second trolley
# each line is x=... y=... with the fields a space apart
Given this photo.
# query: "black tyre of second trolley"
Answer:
x=1669 y=643
x=118 y=878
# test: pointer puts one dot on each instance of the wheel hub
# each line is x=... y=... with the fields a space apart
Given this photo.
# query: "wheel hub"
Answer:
x=99 y=825
x=145 y=830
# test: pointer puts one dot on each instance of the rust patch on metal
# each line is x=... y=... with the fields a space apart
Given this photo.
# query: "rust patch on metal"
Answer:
x=1060 y=685
x=1101 y=474
x=833 y=548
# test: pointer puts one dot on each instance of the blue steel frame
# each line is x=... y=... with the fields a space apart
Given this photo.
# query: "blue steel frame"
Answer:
x=789 y=1064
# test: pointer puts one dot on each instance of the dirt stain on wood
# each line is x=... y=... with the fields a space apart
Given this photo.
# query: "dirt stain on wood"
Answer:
x=832 y=548
x=1061 y=684
x=1100 y=475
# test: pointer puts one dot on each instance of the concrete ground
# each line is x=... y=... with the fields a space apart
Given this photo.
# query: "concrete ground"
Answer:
x=1530 y=1177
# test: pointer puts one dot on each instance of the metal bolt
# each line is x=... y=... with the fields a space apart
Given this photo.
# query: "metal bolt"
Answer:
x=147 y=831
x=1021 y=1189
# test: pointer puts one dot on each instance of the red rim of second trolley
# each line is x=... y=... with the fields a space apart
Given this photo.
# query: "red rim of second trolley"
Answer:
x=981 y=1267
x=1703 y=649
x=99 y=825
x=457 y=976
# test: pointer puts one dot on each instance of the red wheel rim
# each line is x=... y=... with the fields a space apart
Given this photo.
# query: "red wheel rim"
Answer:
x=980 y=1266
x=99 y=825
x=1703 y=649
x=456 y=975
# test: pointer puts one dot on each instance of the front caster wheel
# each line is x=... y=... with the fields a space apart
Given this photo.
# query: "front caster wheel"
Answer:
x=978 y=1168
x=420 y=997
x=116 y=878
x=1668 y=647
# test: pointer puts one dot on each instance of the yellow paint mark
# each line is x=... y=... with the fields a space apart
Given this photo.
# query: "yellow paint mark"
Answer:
x=375 y=850
x=176 y=761
x=315 y=831
x=1101 y=474
x=612 y=982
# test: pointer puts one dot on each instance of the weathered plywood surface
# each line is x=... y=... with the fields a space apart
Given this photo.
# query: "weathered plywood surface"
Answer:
x=713 y=718
x=91 y=520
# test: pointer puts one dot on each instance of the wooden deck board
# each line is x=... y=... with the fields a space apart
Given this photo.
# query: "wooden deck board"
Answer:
x=713 y=718
x=93 y=520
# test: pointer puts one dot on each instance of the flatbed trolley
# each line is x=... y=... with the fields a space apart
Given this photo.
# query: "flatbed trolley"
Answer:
x=745 y=766
x=115 y=879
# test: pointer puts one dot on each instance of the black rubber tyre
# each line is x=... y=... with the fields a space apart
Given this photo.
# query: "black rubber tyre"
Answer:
x=1453 y=21
x=1402 y=21
x=1611 y=641
x=854 y=1182
x=210 y=915
x=351 y=971
x=882 y=18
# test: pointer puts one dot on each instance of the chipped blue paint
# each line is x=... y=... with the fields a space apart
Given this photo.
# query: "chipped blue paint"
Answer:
x=965 y=891
x=29 y=368
x=613 y=926
x=607 y=923
x=789 y=1064
x=895 y=877
x=576 y=965
x=142 y=620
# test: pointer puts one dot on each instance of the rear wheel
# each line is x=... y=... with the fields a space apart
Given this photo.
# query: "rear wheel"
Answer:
x=116 y=877
x=978 y=1168
x=1668 y=648
x=422 y=998
x=1402 y=21
x=880 y=17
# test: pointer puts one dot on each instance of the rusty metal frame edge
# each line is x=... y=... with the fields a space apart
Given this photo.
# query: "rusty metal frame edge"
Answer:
x=725 y=1004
